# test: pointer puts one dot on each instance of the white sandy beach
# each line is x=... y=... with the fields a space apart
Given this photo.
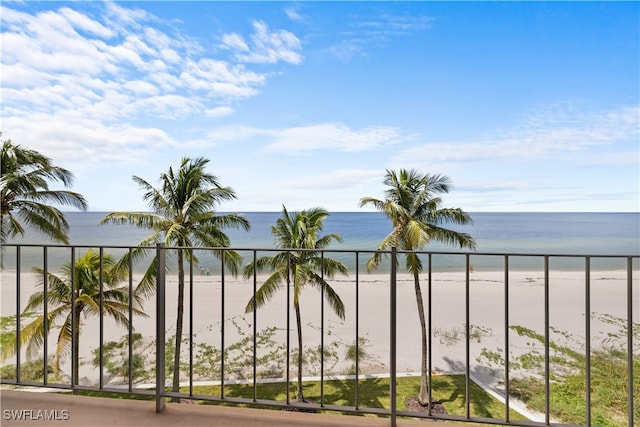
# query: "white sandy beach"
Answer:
x=486 y=312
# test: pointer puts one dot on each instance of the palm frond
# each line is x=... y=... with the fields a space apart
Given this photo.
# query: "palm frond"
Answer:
x=61 y=197
x=24 y=187
x=266 y=291
x=146 y=220
x=389 y=241
x=330 y=295
x=47 y=219
x=413 y=263
x=63 y=345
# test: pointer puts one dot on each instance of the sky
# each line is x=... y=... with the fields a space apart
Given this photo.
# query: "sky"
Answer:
x=525 y=106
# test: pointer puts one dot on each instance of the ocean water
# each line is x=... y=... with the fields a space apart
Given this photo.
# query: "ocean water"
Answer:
x=512 y=233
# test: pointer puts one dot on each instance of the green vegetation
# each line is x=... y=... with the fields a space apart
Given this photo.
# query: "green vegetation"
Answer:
x=182 y=214
x=80 y=282
x=271 y=356
x=374 y=393
x=298 y=230
x=609 y=379
x=32 y=370
x=115 y=355
x=238 y=356
x=413 y=205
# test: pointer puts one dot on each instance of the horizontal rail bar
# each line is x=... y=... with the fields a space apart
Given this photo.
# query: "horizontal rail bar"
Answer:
x=337 y=250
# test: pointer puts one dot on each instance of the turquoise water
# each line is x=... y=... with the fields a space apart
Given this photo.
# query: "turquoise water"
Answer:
x=526 y=233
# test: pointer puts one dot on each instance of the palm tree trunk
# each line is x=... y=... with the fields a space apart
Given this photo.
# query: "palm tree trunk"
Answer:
x=176 y=358
x=76 y=346
x=299 y=396
x=424 y=388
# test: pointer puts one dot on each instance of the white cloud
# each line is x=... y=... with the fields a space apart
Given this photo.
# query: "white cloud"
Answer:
x=347 y=49
x=293 y=13
x=141 y=87
x=76 y=79
x=541 y=134
x=266 y=47
x=219 y=112
x=234 y=41
x=84 y=23
x=218 y=78
x=130 y=17
x=376 y=30
x=84 y=142
x=321 y=136
x=394 y=24
x=168 y=106
x=333 y=136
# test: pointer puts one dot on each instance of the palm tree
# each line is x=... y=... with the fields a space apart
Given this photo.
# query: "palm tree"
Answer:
x=298 y=230
x=79 y=283
x=412 y=203
x=183 y=215
x=24 y=191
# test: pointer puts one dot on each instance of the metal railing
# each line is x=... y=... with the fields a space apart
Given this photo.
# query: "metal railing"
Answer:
x=460 y=263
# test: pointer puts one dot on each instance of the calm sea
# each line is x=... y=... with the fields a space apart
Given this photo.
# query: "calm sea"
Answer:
x=522 y=233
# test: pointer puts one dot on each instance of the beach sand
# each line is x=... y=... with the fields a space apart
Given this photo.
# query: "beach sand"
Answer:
x=368 y=317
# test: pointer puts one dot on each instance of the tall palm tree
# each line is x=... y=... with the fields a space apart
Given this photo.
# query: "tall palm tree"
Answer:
x=412 y=203
x=79 y=283
x=299 y=230
x=24 y=194
x=183 y=215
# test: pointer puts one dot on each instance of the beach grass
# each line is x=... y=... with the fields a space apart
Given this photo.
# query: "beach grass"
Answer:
x=567 y=397
x=373 y=393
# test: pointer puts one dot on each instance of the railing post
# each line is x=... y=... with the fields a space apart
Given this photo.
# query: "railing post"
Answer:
x=101 y=327
x=587 y=329
x=392 y=338
x=630 y=379
x=467 y=335
x=18 y=321
x=74 y=320
x=547 y=338
x=160 y=326
x=45 y=315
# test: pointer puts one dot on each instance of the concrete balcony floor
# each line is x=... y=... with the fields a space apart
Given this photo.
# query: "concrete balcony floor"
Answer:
x=84 y=411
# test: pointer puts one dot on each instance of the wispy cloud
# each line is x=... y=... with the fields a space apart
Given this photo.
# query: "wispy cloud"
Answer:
x=316 y=137
x=541 y=134
x=333 y=136
x=346 y=50
x=265 y=46
x=293 y=13
x=378 y=29
x=393 y=25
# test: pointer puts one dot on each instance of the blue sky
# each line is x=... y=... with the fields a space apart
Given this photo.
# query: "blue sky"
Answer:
x=526 y=106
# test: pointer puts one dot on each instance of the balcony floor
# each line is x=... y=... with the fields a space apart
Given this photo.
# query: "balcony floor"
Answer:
x=84 y=411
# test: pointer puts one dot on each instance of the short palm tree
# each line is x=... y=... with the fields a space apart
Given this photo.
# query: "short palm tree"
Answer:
x=299 y=230
x=79 y=283
x=183 y=215
x=412 y=203
x=24 y=194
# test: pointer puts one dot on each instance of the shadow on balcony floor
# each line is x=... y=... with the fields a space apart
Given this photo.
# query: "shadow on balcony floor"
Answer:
x=83 y=411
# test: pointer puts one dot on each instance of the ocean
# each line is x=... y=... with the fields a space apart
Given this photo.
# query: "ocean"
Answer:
x=521 y=233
